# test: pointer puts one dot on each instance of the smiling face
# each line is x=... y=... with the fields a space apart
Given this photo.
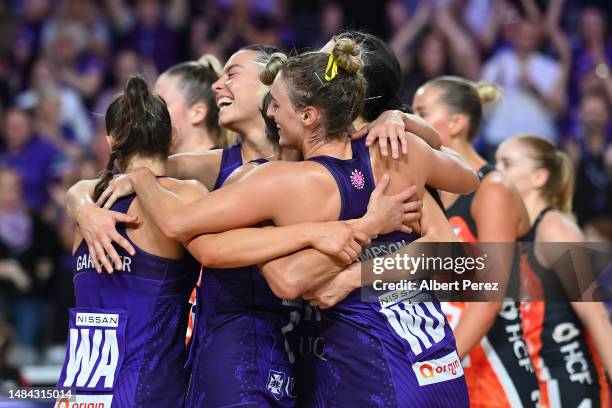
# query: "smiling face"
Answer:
x=240 y=91
x=288 y=120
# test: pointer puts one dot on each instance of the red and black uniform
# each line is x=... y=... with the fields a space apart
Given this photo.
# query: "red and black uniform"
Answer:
x=498 y=370
x=567 y=365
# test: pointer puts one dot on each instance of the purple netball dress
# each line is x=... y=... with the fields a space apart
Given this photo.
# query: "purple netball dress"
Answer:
x=240 y=356
x=398 y=352
x=231 y=159
x=127 y=332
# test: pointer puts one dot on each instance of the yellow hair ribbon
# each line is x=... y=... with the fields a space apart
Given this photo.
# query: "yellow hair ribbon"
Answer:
x=332 y=66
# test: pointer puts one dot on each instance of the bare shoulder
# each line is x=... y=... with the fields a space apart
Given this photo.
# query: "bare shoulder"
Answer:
x=83 y=186
x=202 y=166
x=298 y=179
x=497 y=195
x=240 y=172
x=91 y=182
x=189 y=190
x=286 y=170
x=407 y=169
x=204 y=157
x=557 y=226
x=496 y=186
x=315 y=174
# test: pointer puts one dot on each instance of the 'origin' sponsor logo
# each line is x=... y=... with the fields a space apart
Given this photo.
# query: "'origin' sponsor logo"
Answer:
x=438 y=370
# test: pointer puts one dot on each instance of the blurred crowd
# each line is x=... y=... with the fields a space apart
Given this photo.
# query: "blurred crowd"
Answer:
x=61 y=61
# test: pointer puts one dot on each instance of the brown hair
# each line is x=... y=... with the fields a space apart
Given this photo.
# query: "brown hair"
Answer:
x=464 y=96
x=559 y=188
x=138 y=122
x=340 y=99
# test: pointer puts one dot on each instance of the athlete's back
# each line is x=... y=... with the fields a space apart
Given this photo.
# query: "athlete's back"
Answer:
x=556 y=335
x=127 y=330
x=387 y=342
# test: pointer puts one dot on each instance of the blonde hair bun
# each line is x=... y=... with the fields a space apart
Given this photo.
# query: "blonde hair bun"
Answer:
x=488 y=92
x=274 y=65
x=347 y=54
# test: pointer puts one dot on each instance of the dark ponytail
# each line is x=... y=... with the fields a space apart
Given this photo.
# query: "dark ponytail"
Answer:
x=138 y=123
x=382 y=74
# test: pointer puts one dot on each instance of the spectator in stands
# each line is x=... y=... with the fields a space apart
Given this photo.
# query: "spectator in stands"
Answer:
x=591 y=63
x=69 y=52
x=204 y=27
x=442 y=46
x=39 y=162
x=533 y=83
x=592 y=151
x=10 y=377
x=48 y=121
x=86 y=14
x=29 y=247
x=332 y=21
x=73 y=112
x=248 y=22
x=431 y=61
x=126 y=63
x=151 y=31
x=27 y=37
x=99 y=147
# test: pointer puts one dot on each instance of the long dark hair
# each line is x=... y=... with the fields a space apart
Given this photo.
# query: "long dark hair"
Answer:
x=382 y=74
x=138 y=123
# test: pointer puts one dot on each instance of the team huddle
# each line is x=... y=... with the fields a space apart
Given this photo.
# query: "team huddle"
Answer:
x=254 y=249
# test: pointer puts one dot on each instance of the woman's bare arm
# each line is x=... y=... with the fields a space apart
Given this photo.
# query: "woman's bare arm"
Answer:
x=493 y=198
x=250 y=246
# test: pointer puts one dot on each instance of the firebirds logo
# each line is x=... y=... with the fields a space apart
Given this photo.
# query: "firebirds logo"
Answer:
x=280 y=384
x=357 y=179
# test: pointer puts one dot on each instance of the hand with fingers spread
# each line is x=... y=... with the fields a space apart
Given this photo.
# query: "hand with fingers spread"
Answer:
x=336 y=289
x=337 y=239
x=99 y=232
x=388 y=129
x=118 y=187
x=393 y=212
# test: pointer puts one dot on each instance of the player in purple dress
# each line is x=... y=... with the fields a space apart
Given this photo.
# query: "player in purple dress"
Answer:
x=129 y=327
x=125 y=346
x=410 y=343
x=238 y=96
